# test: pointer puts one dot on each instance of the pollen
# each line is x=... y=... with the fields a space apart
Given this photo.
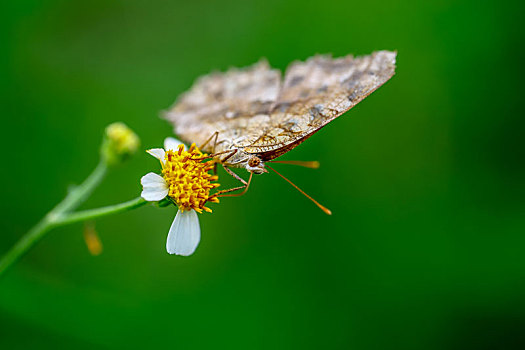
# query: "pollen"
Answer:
x=188 y=178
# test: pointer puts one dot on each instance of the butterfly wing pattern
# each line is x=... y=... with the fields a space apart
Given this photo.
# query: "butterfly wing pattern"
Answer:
x=254 y=111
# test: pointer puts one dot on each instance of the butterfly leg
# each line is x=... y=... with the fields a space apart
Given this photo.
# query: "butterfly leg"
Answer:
x=230 y=154
x=237 y=177
x=214 y=135
x=228 y=157
x=245 y=186
x=225 y=159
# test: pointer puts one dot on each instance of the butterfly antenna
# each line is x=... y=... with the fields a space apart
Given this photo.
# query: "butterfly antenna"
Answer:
x=326 y=210
x=309 y=164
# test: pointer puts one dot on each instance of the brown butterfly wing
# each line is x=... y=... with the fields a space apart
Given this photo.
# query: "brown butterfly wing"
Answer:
x=252 y=112
x=231 y=103
x=316 y=92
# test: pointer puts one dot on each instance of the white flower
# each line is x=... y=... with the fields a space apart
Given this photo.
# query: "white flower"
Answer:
x=154 y=187
x=170 y=143
x=185 y=233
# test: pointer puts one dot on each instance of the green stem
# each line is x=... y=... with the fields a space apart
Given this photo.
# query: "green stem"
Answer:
x=61 y=215
x=96 y=213
x=23 y=245
x=80 y=193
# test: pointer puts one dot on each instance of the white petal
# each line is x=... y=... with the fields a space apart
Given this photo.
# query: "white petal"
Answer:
x=185 y=233
x=154 y=187
x=157 y=153
x=172 y=143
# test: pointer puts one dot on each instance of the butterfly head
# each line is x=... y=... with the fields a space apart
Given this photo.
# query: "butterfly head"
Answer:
x=255 y=165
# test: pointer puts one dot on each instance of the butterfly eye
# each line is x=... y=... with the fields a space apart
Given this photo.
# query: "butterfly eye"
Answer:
x=254 y=161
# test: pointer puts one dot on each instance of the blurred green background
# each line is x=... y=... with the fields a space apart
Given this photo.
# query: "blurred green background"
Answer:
x=425 y=179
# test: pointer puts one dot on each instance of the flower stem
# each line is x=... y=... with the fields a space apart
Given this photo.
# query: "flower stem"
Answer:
x=23 y=245
x=80 y=193
x=61 y=215
x=96 y=213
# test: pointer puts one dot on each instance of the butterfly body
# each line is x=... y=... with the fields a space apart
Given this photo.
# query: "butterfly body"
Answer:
x=237 y=158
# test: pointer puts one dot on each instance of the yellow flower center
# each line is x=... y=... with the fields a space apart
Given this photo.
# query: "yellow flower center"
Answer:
x=188 y=179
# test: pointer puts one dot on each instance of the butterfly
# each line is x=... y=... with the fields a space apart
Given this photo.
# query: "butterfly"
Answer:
x=247 y=117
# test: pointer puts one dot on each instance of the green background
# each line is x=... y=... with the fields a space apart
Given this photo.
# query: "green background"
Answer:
x=425 y=179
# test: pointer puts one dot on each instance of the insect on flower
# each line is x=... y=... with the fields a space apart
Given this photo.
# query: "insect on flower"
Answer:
x=187 y=183
x=248 y=117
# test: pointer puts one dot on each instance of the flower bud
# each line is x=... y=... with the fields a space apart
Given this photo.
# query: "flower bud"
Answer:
x=120 y=142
